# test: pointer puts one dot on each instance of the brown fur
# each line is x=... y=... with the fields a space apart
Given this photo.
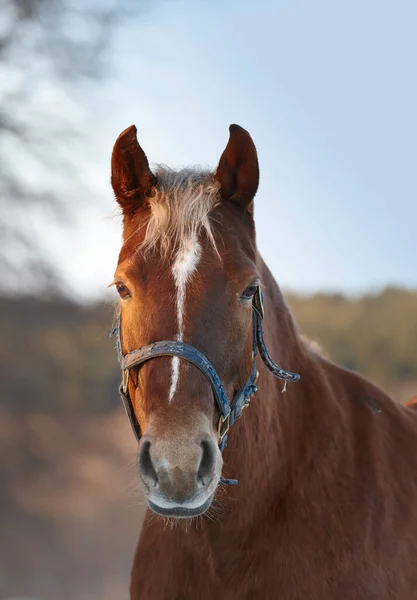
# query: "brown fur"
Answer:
x=326 y=506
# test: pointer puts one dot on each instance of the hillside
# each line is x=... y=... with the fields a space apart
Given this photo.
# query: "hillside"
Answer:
x=375 y=334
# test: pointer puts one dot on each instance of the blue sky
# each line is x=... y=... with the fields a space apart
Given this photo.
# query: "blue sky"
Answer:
x=328 y=91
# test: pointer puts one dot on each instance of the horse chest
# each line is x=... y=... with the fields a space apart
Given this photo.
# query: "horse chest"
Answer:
x=270 y=564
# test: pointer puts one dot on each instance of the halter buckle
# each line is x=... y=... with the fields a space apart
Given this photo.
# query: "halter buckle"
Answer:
x=125 y=380
x=246 y=405
x=223 y=427
x=254 y=387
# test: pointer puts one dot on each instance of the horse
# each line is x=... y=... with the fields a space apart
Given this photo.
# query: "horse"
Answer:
x=310 y=493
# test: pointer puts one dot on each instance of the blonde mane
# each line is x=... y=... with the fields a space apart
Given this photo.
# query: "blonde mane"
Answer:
x=180 y=208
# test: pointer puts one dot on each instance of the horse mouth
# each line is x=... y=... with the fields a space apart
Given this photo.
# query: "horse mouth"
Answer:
x=181 y=512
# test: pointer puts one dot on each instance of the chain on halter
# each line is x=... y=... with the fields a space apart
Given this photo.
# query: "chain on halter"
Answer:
x=229 y=412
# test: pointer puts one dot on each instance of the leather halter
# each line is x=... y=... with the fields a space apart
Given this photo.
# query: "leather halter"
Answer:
x=228 y=412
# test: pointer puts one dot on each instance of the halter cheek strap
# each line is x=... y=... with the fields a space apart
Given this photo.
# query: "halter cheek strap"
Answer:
x=228 y=412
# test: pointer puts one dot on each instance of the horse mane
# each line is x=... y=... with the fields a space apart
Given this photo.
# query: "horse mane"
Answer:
x=312 y=346
x=180 y=208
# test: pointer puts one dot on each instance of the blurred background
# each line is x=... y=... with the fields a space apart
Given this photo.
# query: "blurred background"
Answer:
x=327 y=91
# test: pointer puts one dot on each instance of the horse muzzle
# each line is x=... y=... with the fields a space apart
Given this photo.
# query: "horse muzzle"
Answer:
x=179 y=477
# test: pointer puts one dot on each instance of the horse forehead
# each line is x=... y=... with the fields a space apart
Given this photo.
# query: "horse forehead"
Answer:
x=186 y=259
x=177 y=267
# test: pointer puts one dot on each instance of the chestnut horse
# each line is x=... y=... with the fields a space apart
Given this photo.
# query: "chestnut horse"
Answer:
x=326 y=501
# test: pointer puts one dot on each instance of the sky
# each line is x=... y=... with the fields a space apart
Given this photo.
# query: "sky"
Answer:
x=328 y=91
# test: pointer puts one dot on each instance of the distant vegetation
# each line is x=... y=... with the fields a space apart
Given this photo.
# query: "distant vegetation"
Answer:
x=57 y=356
x=375 y=334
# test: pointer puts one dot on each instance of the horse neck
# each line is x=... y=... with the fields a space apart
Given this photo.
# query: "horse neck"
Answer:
x=280 y=430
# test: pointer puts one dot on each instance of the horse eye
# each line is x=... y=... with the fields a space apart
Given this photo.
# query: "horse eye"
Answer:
x=249 y=292
x=122 y=290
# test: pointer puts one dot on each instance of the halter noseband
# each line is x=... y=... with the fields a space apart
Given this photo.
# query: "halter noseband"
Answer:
x=228 y=412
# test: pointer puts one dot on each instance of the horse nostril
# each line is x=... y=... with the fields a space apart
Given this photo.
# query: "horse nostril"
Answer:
x=206 y=468
x=146 y=468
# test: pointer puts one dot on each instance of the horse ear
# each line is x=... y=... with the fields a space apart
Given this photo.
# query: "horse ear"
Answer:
x=238 y=170
x=131 y=177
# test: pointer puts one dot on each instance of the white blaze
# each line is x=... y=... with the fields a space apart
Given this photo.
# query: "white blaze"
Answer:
x=184 y=266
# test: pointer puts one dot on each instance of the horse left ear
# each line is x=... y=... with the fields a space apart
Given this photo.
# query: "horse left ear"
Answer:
x=238 y=170
x=131 y=177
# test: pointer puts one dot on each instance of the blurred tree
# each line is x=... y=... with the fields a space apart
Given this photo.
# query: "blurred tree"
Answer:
x=49 y=50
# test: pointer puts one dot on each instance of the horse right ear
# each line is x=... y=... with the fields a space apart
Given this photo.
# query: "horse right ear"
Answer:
x=131 y=177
